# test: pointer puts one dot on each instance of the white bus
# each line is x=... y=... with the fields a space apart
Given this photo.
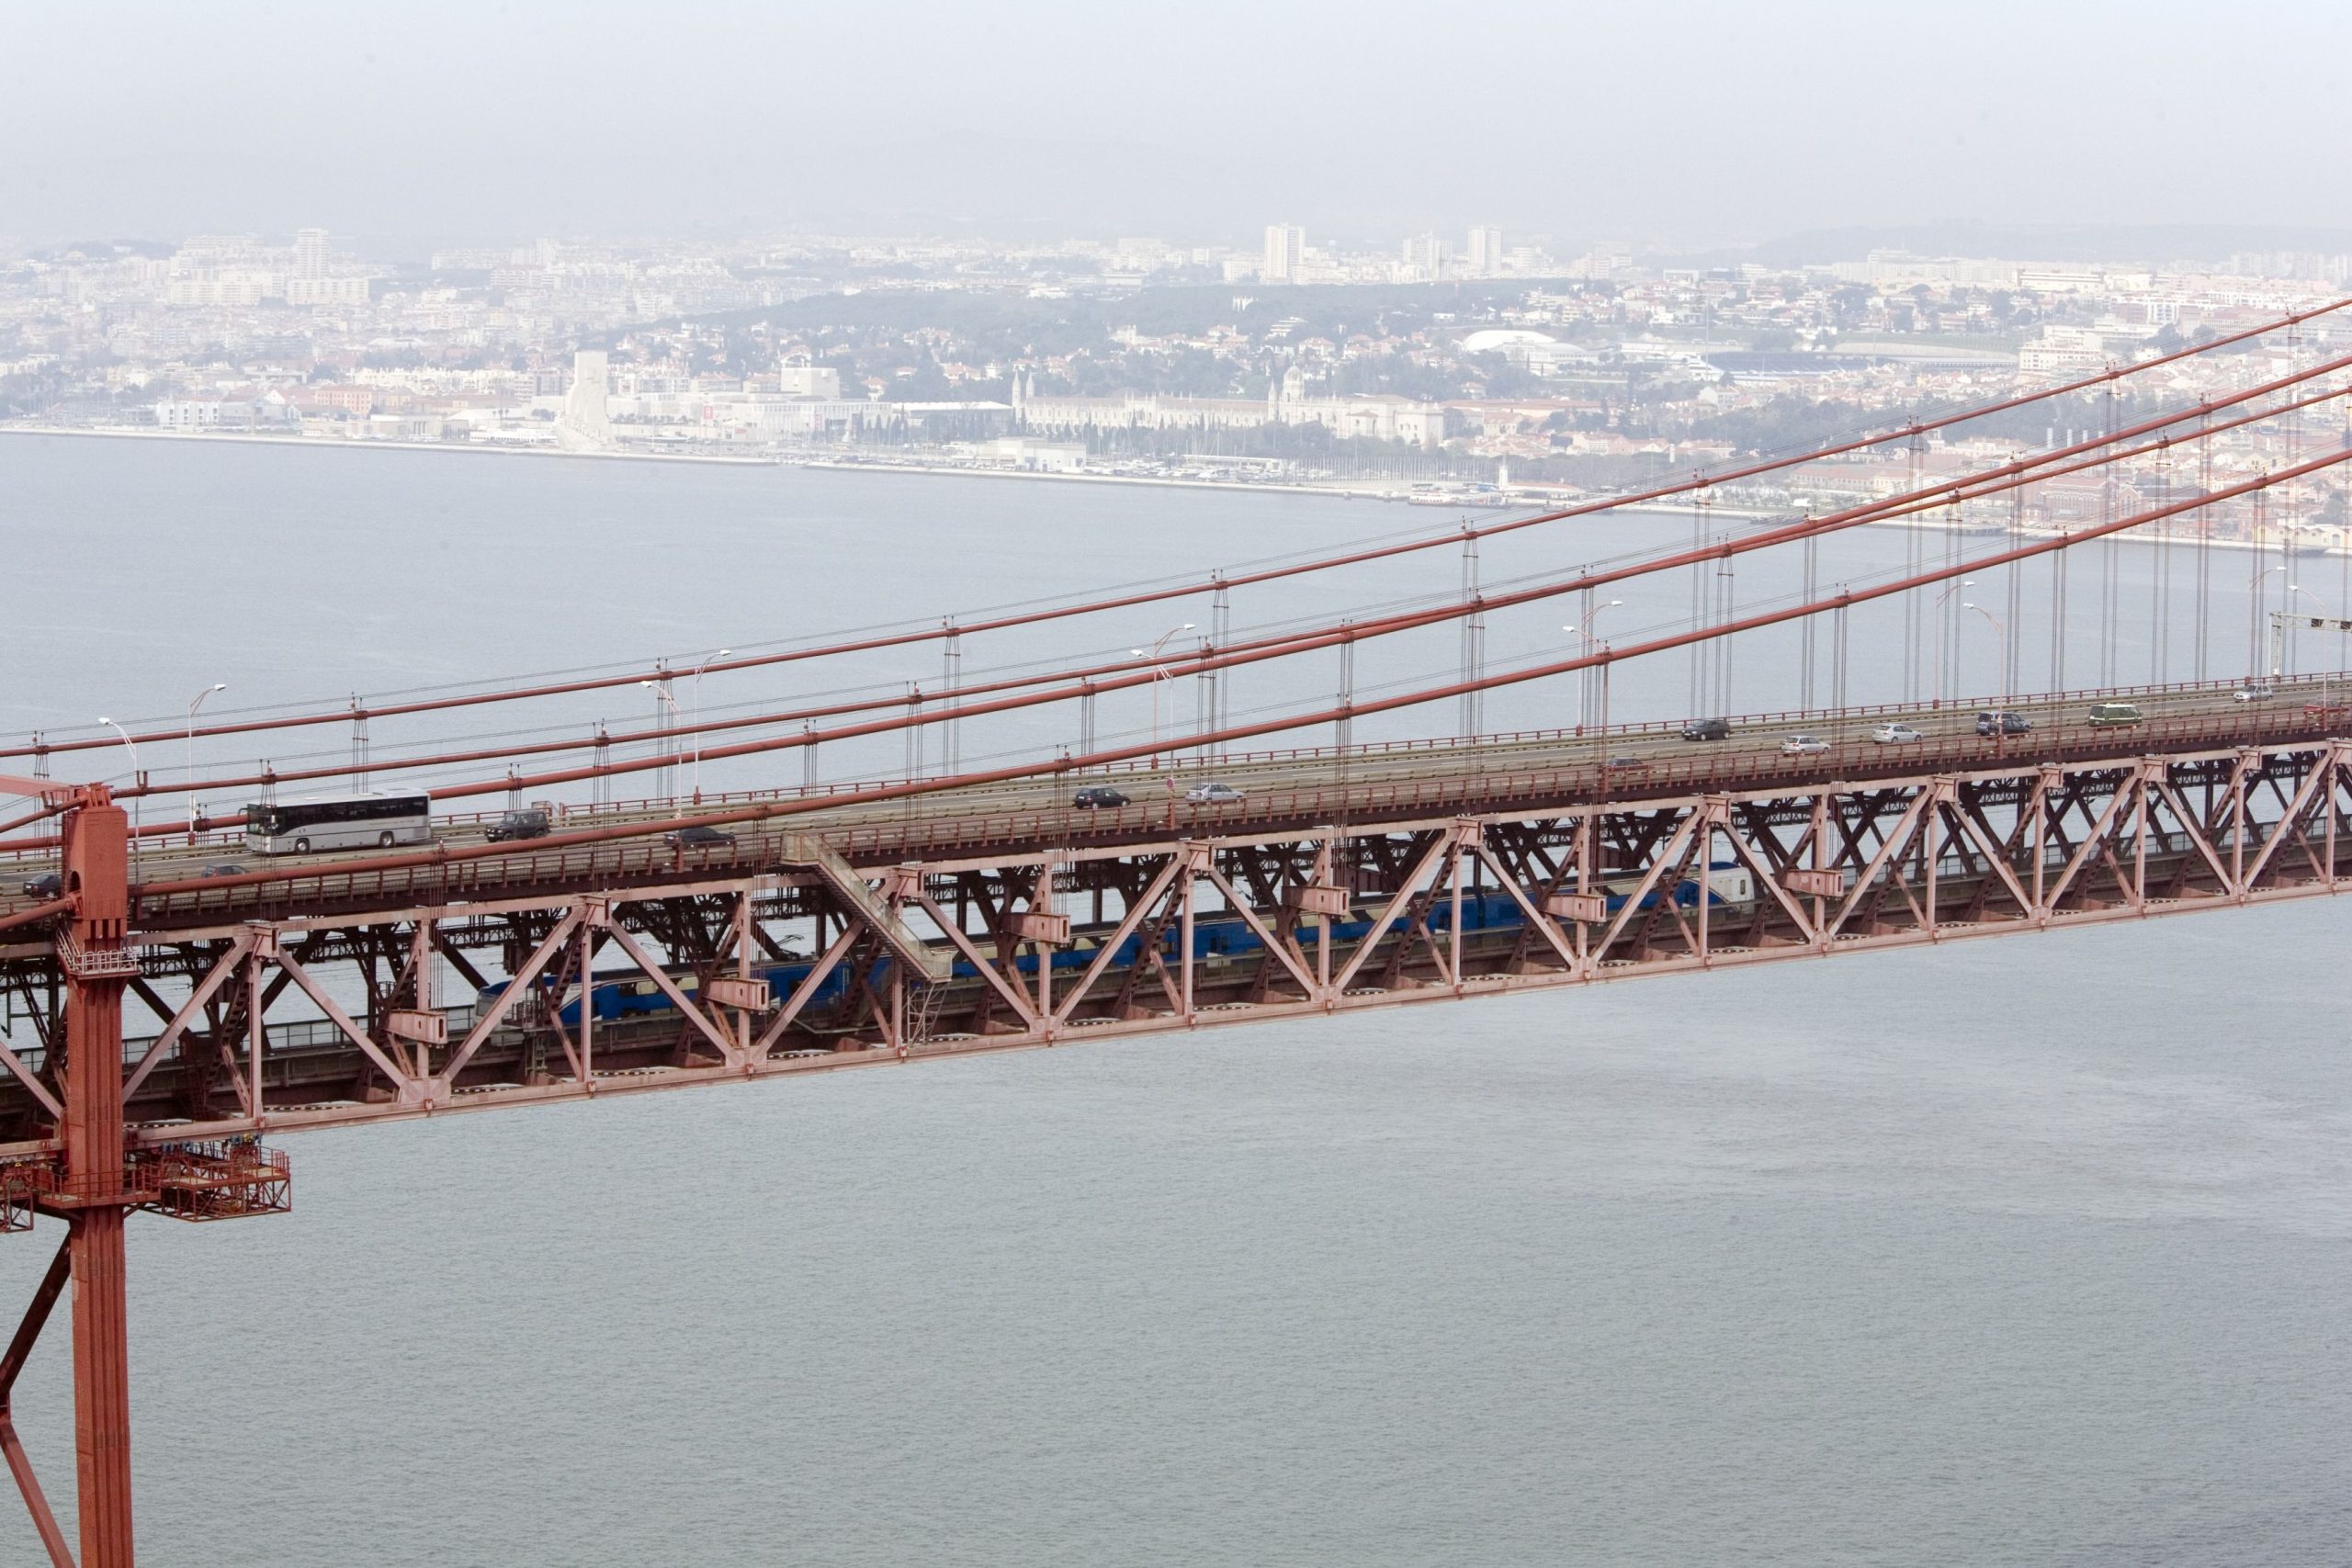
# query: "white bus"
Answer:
x=338 y=822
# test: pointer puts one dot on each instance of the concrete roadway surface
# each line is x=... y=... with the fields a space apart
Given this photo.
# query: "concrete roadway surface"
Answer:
x=1848 y=736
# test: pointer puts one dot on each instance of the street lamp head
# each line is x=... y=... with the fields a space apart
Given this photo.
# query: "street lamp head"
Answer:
x=1186 y=627
x=1612 y=603
x=722 y=653
x=1136 y=652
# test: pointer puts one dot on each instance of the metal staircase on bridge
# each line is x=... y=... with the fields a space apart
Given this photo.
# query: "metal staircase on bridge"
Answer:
x=810 y=851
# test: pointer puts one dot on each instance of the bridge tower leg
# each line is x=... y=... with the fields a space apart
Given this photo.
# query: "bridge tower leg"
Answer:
x=97 y=841
x=92 y=1183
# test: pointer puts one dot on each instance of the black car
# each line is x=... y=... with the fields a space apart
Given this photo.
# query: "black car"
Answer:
x=1097 y=796
x=1707 y=729
x=48 y=886
x=224 y=868
x=698 y=837
x=523 y=822
x=2003 y=724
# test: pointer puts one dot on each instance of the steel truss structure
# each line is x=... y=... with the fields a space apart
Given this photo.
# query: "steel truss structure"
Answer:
x=941 y=955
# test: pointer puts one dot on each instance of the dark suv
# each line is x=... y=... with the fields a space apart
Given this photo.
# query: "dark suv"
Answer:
x=2002 y=723
x=523 y=822
x=1096 y=796
x=1707 y=729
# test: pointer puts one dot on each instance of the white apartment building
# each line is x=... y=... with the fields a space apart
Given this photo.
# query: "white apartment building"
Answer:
x=1285 y=253
x=1380 y=417
x=2064 y=348
x=327 y=290
x=202 y=413
x=201 y=284
x=797 y=378
x=1486 y=253
x=1423 y=257
x=309 y=252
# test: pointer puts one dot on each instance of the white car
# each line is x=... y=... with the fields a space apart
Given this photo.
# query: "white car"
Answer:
x=2253 y=692
x=1213 y=793
x=1896 y=734
x=1803 y=746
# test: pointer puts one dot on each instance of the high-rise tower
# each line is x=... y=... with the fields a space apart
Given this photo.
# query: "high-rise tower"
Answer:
x=1286 y=253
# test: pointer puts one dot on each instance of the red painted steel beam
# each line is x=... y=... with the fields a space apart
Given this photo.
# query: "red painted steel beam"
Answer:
x=37 y=914
x=96 y=860
x=1269 y=574
x=12 y=1448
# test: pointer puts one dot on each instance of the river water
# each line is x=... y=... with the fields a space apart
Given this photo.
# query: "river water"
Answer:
x=2030 y=1251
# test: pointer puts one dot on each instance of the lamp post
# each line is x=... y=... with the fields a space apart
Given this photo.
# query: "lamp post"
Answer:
x=662 y=690
x=133 y=750
x=2001 y=643
x=1604 y=688
x=1936 y=698
x=1592 y=636
x=1159 y=674
x=2324 y=615
x=216 y=686
x=1584 y=679
x=2253 y=626
x=698 y=670
x=1591 y=619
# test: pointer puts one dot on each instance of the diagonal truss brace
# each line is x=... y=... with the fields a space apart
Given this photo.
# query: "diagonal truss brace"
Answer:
x=589 y=911
x=730 y=1050
x=1013 y=995
x=807 y=989
x=52 y=1285
x=1443 y=847
x=223 y=970
x=1137 y=911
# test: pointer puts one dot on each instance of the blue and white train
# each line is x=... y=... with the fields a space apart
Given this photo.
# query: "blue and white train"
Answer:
x=626 y=993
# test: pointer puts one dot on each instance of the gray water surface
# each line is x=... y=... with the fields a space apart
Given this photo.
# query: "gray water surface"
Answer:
x=2027 y=1251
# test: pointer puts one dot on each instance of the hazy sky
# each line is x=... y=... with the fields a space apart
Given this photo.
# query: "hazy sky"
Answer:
x=424 y=121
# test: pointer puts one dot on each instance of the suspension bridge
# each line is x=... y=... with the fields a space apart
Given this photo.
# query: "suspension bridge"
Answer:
x=555 y=935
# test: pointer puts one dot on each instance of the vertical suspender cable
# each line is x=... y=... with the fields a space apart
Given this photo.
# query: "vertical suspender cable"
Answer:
x=2110 y=590
x=1911 y=605
x=1221 y=627
x=2204 y=516
x=951 y=746
x=1811 y=571
x=2013 y=579
x=1700 y=706
x=2159 y=598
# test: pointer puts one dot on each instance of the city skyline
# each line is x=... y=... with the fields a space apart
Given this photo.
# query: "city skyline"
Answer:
x=1469 y=369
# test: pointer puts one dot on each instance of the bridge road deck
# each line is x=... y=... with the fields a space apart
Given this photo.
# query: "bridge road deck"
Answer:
x=1283 y=791
x=1373 y=878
